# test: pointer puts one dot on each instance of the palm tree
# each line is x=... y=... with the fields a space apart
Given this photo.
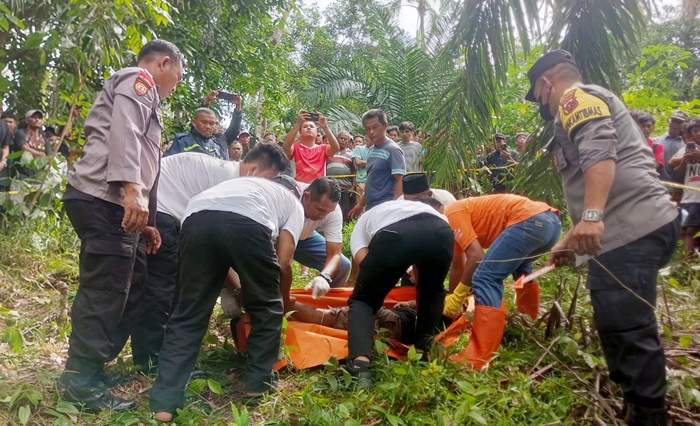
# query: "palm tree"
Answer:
x=485 y=40
x=436 y=11
x=401 y=79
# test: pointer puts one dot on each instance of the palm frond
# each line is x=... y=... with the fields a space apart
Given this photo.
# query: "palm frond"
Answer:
x=332 y=84
x=599 y=34
x=340 y=118
x=482 y=45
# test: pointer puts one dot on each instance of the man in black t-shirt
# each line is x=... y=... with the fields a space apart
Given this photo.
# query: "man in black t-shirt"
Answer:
x=498 y=161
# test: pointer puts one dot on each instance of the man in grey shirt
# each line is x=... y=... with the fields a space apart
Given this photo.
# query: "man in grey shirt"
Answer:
x=672 y=142
x=412 y=150
x=623 y=219
x=111 y=202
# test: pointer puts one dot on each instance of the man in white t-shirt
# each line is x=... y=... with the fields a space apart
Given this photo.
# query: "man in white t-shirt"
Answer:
x=251 y=225
x=182 y=177
x=385 y=242
x=323 y=252
x=415 y=187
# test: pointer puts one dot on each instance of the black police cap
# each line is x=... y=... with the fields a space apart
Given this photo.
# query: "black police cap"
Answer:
x=546 y=61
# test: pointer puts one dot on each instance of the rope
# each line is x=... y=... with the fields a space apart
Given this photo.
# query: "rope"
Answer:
x=570 y=250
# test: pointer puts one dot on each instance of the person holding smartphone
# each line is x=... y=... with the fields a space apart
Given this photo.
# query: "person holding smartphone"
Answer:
x=234 y=128
x=686 y=164
x=310 y=159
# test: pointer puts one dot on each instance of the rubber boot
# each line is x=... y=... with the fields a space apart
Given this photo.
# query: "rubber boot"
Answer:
x=487 y=332
x=527 y=299
x=641 y=416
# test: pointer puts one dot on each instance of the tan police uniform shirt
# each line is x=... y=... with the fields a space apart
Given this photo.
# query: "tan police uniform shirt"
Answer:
x=593 y=125
x=122 y=139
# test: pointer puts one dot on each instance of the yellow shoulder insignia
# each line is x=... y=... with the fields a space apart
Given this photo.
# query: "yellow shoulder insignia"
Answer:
x=578 y=107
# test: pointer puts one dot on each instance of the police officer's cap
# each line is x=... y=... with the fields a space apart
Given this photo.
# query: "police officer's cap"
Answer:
x=547 y=61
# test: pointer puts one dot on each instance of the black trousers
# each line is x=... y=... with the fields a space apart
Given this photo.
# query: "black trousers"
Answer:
x=210 y=243
x=627 y=325
x=156 y=304
x=104 y=307
x=423 y=240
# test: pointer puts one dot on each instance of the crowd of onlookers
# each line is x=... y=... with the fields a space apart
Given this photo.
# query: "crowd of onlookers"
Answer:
x=677 y=160
x=316 y=151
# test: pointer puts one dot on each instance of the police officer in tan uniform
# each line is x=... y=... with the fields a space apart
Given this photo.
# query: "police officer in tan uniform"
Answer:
x=111 y=202
x=623 y=217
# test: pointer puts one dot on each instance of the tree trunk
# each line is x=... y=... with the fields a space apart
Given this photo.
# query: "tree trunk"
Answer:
x=690 y=8
x=422 y=7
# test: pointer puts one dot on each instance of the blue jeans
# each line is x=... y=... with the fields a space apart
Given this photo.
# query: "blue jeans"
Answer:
x=535 y=235
x=311 y=252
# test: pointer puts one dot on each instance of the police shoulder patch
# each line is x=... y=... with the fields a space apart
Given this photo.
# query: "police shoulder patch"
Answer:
x=578 y=107
x=144 y=82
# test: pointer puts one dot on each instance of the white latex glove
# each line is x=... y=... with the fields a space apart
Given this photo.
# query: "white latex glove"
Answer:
x=319 y=285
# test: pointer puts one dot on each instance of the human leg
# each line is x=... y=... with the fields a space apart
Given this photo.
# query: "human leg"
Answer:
x=434 y=245
x=107 y=257
x=508 y=254
x=259 y=273
x=379 y=271
x=312 y=252
x=625 y=317
x=201 y=272
x=148 y=334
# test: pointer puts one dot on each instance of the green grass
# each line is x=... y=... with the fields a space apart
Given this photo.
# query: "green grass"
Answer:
x=537 y=378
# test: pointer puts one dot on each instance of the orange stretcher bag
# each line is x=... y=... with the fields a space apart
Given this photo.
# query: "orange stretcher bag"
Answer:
x=311 y=345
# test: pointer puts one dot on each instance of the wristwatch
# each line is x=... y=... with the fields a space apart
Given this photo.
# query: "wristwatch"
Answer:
x=592 y=215
x=326 y=277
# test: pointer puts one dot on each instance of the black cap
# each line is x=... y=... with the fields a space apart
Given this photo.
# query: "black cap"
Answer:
x=415 y=183
x=680 y=116
x=499 y=136
x=546 y=61
x=288 y=183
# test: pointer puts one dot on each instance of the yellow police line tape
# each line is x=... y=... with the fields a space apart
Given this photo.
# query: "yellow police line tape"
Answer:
x=679 y=186
x=431 y=171
x=671 y=184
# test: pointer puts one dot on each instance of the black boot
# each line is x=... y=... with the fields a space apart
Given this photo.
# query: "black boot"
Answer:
x=110 y=379
x=642 y=416
x=87 y=390
x=360 y=370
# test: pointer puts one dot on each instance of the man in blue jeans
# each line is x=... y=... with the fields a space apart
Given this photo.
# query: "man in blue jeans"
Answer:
x=513 y=228
x=323 y=252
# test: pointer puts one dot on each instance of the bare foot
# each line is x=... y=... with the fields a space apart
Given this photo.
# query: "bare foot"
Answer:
x=164 y=417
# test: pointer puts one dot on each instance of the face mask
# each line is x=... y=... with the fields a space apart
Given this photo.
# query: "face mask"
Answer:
x=254 y=173
x=545 y=113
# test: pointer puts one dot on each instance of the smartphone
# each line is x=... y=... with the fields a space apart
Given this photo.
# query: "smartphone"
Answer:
x=313 y=116
x=225 y=96
x=504 y=147
x=692 y=146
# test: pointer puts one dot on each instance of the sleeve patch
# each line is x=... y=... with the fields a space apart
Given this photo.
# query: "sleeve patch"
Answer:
x=578 y=107
x=144 y=82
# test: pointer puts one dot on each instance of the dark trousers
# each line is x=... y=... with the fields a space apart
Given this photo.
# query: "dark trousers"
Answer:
x=210 y=243
x=149 y=330
x=345 y=195
x=106 y=300
x=627 y=325
x=425 y=241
